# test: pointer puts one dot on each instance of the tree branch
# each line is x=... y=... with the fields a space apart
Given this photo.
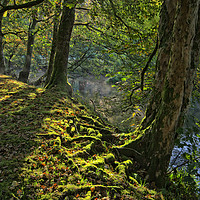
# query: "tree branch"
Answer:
x=119 y=18
x=97 y=112
x=79 y=8
x=13 y=33
x=20 y=6
x=147 y=64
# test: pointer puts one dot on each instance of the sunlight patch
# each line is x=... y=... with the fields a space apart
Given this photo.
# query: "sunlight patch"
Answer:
x=40 y=90
x=32 y=95
x=5 y=97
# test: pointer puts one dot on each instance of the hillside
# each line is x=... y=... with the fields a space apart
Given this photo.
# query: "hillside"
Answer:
x=52 y=147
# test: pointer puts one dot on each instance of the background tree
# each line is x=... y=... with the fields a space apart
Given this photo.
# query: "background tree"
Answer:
x=38 y=15
x=5 y=7
x=23 y=75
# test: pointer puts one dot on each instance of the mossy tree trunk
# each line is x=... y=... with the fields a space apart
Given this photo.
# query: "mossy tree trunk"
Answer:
x=176 y=63
x=59 y=75
x=24 y=74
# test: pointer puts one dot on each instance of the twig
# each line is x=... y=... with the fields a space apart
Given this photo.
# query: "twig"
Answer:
x=79 y=8
x=130 y=149
x=176 y=157
x=97 y=112
x=137 y=87
x=182 y=164
x=120 y=19
x=147 y=64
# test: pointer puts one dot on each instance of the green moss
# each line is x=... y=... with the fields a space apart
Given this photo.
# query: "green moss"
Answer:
x=90 y=167
x=128 y=163
x=82 y=129
x=109 y=159
x=121 y=169
x=73 y=129
x=54 y=165
x=91 y=131
x=99 y=162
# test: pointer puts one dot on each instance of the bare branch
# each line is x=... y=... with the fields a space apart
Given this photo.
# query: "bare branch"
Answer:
x=119 y=18
x=147 y=64
x=44 y=20
x=81 y=24
x=97 y=112
x=13 y=33
x=79 y=8
x=20 y=6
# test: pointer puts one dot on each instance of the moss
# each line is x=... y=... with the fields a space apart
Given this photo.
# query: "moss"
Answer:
x=128 y=163
x=59 y=166
x=82 y=129
x=99 y=162
x=91 y=131
x=73 y=129
x=109 y=159
x=90 y=167
x=88 y=195
x=121 y=169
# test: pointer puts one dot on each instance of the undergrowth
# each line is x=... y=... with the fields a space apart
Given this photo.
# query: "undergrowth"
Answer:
x=52 y=147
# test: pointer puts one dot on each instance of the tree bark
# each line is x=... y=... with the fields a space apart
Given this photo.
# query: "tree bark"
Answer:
x=24 y=74
x=59 y=74
x=2 y=61
x=53 y=47
x=176 y=64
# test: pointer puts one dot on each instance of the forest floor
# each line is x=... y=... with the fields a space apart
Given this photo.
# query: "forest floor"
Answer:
x=52 y=147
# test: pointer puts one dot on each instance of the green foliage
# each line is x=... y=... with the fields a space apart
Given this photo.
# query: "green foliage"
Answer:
x=185 y=164
x=181 y=185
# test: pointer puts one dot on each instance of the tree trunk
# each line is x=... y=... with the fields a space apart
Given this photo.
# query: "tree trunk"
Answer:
x=176 y=63
x=24 y=74
x=54 y=41
x=59 y=74
x=2 y=62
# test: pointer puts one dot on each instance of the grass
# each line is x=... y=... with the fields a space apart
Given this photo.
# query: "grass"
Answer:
x=52 y=147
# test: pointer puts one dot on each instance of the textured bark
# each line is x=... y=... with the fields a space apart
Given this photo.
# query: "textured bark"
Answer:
x=53 y=47
x=173 y=86
x=24 y=74
x=59 y=74
x=2 y=64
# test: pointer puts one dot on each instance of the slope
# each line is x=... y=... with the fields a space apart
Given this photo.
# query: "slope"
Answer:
x=52 y=147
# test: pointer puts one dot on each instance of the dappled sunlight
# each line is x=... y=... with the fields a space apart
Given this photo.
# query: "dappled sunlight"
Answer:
x=54 y=147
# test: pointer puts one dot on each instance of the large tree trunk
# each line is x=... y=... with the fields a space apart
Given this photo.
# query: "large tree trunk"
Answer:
x=24 y=74
x=176 y=63
x=59 y=74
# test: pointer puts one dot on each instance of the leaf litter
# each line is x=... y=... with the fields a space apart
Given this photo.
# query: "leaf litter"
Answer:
x=52 y=147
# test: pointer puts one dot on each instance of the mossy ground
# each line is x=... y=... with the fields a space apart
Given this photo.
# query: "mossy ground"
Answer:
x=52 y=147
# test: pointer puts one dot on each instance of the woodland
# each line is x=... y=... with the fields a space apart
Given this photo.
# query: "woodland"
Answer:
x=137 y=137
